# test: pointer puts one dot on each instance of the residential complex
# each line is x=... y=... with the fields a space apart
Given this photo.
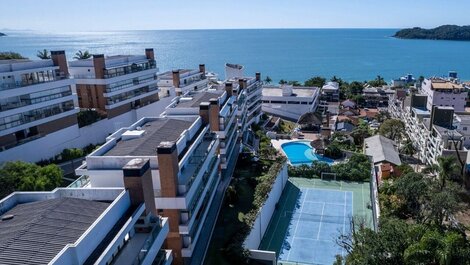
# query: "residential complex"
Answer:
x=444 y=92
x=376 y=97
x=185 y=80
x=85 y=226
x=289 y=102
x=37 y=100
x=432 y=132
x=330 y=92
x=114 y=85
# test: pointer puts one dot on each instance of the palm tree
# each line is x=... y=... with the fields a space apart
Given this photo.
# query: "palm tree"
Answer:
x=445 y=169
x=44 y=54
x=82 y=55
x=268 y=80
x=408 y=148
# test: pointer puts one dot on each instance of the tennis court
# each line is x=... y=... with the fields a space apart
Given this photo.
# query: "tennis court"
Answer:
x=310 y=215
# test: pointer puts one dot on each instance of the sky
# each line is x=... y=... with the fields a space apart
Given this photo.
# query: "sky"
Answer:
x=103 y=15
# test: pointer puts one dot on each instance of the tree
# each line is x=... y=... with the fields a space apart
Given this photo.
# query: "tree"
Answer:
x=294 y=83
x=11 y=56
x=361 y=132
x=377 y=82
x=355 y=88
x=44 y=54
x=392 y=129
x=282 y=82
x=333 y=151
x=268 y=80
x=82 y=55
x=408 y=148
x=28 y=177
x=383 y=115
x=316 y=81
x=413 y=188
x=445 y=169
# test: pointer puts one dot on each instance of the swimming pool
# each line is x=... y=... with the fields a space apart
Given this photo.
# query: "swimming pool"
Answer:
x=301 y=153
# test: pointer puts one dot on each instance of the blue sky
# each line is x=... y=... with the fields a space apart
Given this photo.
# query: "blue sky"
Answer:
x=101 y=15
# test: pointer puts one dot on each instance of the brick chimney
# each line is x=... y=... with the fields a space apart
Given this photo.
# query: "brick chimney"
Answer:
x=149 y=53
x=176 y=78
x=100 y=65
x=167 y=156
x=229 y=89
x=214 y=110
x=204 y=112
x=242 y=83
x=138 y=181
x=258 y=76
x=59 y=59
x=202 y=69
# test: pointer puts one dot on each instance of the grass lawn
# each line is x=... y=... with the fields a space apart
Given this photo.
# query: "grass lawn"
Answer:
x=228 y=222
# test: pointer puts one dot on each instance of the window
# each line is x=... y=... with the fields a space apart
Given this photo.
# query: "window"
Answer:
x=464 y=128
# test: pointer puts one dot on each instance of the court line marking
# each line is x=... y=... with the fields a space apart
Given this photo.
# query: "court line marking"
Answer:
x=321 y=219
x=297 y=224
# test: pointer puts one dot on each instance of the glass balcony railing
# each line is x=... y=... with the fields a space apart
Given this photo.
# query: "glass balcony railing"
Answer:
x=130 y=83
x=80 y=182
x=30 y=99
x=34 y=78
x=130 y=94
x=129 y=69
x=157 y=227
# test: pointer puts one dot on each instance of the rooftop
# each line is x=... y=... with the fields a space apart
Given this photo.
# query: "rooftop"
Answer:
x=438 y=83
x=39 y=230
x=275 y=91
x=155 y=132
x=195 y=99
x=382 y=149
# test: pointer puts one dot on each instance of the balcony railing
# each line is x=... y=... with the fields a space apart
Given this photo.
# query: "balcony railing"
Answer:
x=56 y=76
x=149 y=241
x=129 y=69
x=80 y=182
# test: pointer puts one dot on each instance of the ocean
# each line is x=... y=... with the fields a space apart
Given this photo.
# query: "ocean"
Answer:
x=289 y=54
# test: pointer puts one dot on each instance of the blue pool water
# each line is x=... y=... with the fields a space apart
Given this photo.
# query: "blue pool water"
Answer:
x=301 y=153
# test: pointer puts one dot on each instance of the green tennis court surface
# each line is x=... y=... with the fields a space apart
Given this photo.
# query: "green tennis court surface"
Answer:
x=310 y=215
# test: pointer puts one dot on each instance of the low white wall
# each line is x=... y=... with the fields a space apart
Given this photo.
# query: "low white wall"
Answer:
x=261 y=223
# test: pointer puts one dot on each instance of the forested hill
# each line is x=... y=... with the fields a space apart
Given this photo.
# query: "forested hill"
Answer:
x=446 y=32
x=2 y=34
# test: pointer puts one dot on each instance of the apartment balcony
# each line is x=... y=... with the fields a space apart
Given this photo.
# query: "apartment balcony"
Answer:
x=129 y=69
x=201 y=198
x=130 y=84
x=145 y=247
x=35 y=78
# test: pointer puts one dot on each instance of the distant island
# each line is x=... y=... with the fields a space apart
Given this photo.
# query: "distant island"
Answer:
x=446 y=32
x=2 y=34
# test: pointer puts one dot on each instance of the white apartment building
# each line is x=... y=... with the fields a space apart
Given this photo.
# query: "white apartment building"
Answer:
x=185 y=80
x=102 y=226
x=38 y=107
x=432 y=132
x=330 y=92
x=444 y=92
x=222 y=104
x=289 y=102
x=184 y=165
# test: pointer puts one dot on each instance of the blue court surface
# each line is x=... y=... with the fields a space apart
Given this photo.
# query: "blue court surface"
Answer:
x=318 y=218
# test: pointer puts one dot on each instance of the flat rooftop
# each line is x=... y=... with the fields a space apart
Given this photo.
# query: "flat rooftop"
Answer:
x=39 y=230
x=195 y=99
x=146 y=143
x=297 y=91
x=444 y=84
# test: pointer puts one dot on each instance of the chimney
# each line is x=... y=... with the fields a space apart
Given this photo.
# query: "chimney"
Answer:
x=150 y=54
x=229 y=89
x=258 y=76
x=242 y=83
x=176 y=78
x=204 y=112
x=168 y=167
x=202 y=69
x=214 y=110
x=100 y=65
x=138 y=181
x=59 y=59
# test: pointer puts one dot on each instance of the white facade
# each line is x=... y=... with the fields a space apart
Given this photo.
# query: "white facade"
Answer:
x=34 y=95
x=288 y=101
x=446 y=93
